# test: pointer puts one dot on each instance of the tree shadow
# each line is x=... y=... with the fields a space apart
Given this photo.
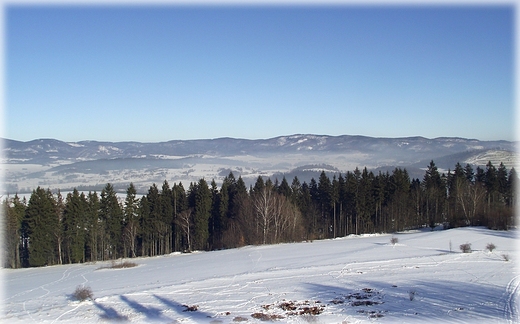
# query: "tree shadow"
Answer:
x=513 y=234
x=151 y=313
x=109 y=313
x=442 y=300
x=197 y=315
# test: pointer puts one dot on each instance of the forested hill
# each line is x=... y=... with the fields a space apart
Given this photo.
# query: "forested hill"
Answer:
x=408 y=148
x=88 y=165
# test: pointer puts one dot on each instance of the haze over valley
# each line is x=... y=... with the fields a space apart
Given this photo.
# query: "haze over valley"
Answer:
x=89 y=165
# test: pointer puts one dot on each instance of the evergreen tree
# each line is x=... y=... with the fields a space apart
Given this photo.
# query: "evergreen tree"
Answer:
x=399 y=199
x=223 y=209
x=111 y=215
x=259 y=185
x=492 y=184
x=180 y=204
x=74 y=222
x=202 y=212
x=145 y=227
x=340 y=190
x=365 y=202
x=296 y=190
x=511 y=188
x=349 y=201
x=38 y=229
x=131 y=221
x=153 y=227
x=215 y=222
x=59 y=207
x=93 y=229
x=503 y=185
x=166 y=219
x=284 y=188
x=13 y=210
x=435 y=194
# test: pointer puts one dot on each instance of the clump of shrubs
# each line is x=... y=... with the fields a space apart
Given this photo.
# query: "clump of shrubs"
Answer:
x=394 y=240
x=490 y=247
x=83 y=293
x=465 y=248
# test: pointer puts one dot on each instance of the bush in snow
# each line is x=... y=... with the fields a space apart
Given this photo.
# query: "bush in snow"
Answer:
x=83 y=293
x=394 y=240
x=505 y=257
x=465 y=248
x=490 y=247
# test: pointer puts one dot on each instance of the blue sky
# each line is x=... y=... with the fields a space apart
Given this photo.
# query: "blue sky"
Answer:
x=150 y=74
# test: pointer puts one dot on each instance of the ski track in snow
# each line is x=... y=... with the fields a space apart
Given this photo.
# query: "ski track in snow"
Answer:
x=512 y=300
x=449 y=286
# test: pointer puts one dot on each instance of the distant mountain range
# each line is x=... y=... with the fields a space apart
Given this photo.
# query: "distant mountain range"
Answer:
x=91 y=164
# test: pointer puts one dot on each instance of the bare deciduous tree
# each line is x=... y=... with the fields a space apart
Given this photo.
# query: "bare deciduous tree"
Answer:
x=185 y=221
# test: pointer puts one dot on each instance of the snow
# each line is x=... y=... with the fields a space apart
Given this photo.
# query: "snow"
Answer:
x=360 y=279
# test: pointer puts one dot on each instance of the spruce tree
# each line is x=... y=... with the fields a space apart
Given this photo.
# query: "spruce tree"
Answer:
x=131 y=220
x=111 y=214
x=202 y=212
x=13 y=210
x=74 y=223
x=92 y=225
x=38 y=229
x=435 y=194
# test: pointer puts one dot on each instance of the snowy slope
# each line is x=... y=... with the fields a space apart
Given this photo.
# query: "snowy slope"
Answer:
x=348 y=280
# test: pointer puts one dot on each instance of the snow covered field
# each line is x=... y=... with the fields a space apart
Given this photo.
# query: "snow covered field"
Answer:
x=348 y=280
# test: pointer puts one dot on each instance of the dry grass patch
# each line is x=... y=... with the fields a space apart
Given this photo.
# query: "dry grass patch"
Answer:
x=120 y=265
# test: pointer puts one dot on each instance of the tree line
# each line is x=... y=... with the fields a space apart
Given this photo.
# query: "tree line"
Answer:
x=51 y=229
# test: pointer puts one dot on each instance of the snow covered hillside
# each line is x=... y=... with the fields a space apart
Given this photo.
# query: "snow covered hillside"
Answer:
x=424 y=277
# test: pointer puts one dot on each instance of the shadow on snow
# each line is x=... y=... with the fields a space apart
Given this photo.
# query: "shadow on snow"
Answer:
x=151 y=313
x=182 y=309
x=439 y=300
x=109 y=313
